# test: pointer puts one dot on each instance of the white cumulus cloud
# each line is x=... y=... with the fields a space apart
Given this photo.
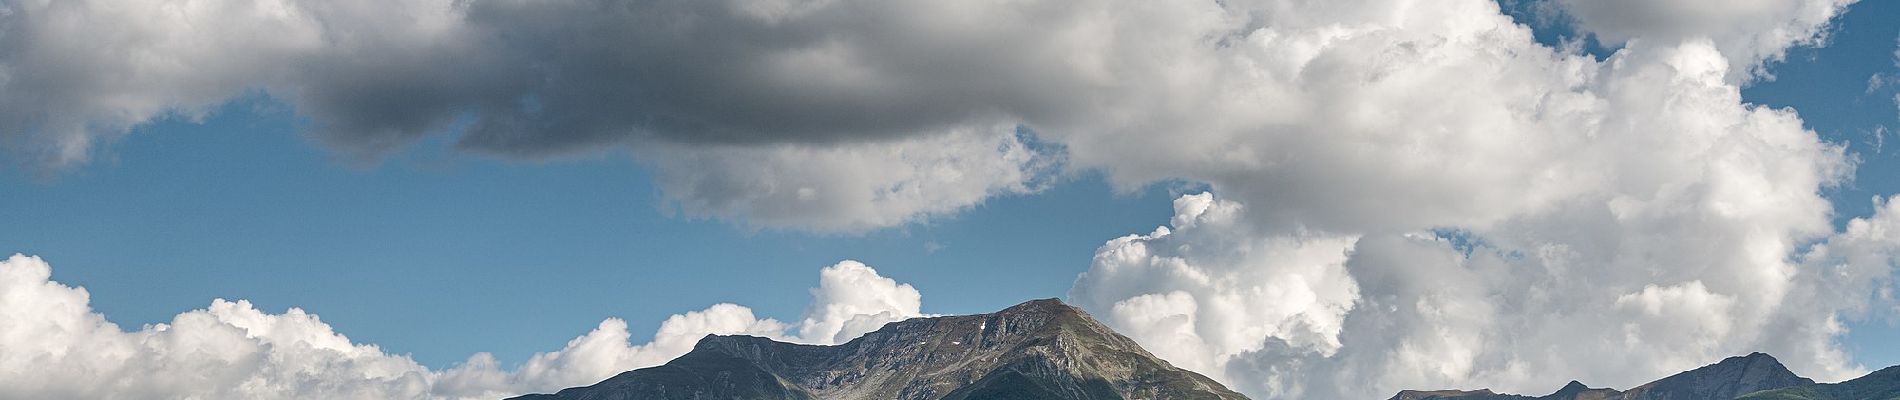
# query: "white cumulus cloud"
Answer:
x=852 y=299
x=1298 y=316
x=1209 y=288
x=53 y=345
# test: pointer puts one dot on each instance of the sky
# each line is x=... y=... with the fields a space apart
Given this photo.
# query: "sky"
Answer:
x=439 y=199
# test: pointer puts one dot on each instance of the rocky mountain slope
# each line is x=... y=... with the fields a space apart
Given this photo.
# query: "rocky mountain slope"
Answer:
x=1041 y=349
x=1731 y=378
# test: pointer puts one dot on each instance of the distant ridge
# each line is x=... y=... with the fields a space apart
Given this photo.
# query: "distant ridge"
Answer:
x=1725 y=380
x=1041 y=349
x=1880 y=385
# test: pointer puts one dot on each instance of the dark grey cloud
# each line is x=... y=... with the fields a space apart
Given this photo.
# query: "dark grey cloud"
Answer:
x=745 y=72
x=688 y=85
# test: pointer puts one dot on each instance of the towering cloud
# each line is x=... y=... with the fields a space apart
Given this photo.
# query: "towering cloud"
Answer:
x=1306 y=316
x=52 y=345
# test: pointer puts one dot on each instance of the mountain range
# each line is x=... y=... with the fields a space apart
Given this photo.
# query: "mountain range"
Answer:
x=1044 y=349
x=1756 y=376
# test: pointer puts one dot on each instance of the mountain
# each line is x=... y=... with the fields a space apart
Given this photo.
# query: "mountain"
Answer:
x=1733 y=377
x=1728 y=379
x=1880 y=385
x=1041 y=349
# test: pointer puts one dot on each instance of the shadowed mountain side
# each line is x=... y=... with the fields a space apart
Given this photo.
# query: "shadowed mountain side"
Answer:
x=1573 y=391
x=1728 y=379
x=1041 y=349
x=1880 y=385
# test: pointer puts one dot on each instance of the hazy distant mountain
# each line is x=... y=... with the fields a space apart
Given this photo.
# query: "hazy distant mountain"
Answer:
x=1041 y=349
x=1731 y=378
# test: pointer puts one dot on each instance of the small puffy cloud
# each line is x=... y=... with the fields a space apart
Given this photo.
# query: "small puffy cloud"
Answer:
x=606 y=351
x=53 y=345
x=852 y=299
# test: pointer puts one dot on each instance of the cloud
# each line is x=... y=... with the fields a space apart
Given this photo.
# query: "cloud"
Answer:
x=601 y=353
x=1509 y=233
x=53 y=345
x=76 y=73
x=851 y=187
x=1558 y=217
x=1293 y=316
x=1209 y=288
x=742 y=105
x=703 y=91
x=851 y=300
x=1748 y=32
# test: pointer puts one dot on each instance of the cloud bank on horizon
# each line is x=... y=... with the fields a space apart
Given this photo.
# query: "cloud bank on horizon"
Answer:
x=52 y=345
x=1407 y=193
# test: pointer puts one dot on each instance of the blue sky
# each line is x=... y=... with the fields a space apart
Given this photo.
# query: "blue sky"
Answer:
x=1829 y=87
x=443 y=254
x=440 y=248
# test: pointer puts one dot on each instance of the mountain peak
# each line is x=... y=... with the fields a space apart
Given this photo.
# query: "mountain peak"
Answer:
x=1578 y=391
x=1882 y=384
x=1040 y=349
x=1732 y=377
x=1040 y=307
x=722 y=341
x=1480 y=394
x=1573 y=386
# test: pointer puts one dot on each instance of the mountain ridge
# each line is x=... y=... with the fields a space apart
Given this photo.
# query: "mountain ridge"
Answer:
x=1036 y=349
x=1883 y=384
x=1730 y=378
